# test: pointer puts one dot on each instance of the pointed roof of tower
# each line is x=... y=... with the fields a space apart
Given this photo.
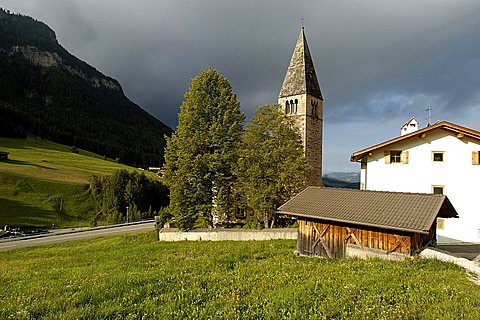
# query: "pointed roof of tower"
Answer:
x=301 y=77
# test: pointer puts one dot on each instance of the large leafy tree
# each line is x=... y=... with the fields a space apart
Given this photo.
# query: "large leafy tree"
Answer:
x=272 y=165
x=201 y=155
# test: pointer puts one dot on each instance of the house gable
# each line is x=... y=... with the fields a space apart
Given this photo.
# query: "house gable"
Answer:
x=444 y=127
x=409 y=127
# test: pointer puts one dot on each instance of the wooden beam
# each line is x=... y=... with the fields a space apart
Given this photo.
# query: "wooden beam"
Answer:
x=329 y=254
x=423 y=135
x=323 y=231
x=460 y=135
x=320 y=239
x=397 y=244
x=315 y=227
x=352 y=234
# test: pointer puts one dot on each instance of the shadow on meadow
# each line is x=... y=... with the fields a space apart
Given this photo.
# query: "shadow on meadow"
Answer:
x=31 y=143
x=18 y=162
x=25 y=215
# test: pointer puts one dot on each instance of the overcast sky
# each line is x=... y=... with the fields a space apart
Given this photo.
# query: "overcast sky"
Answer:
x=378 y=62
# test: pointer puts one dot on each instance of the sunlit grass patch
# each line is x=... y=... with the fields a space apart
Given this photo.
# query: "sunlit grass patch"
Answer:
x=137 y=276
x=43 y=184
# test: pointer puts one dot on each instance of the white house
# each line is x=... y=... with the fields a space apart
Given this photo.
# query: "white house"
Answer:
x=442 y=158
x=409 y=127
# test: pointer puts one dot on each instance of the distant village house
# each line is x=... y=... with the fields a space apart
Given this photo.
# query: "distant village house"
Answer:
x=157 y=170
x=3 y=155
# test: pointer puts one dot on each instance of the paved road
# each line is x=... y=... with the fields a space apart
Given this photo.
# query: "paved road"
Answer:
x=468 y=251
x=47 y=239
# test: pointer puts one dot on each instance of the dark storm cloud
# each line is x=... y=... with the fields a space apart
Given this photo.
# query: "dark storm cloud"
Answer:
x=378 y=62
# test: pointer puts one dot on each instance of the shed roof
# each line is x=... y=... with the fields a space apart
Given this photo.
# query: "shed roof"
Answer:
x=444 y=125
x=410 y=212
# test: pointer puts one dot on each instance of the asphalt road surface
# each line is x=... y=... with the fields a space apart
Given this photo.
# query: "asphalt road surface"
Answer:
x=468 y=251
x=87 y=234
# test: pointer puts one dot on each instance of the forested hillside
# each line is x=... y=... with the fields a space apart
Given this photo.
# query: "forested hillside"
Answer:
x=47 y=92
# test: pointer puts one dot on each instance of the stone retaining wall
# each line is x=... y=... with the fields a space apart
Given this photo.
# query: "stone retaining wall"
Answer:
x=355 y=251
x=470 y=266
x=227 y=234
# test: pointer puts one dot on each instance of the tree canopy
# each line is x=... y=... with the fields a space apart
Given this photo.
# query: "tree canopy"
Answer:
x=272 y=165
x=113 y=194
x=201 y=154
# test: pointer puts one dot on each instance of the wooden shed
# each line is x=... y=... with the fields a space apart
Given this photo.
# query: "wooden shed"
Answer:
x=337 y=223
x=3 y=155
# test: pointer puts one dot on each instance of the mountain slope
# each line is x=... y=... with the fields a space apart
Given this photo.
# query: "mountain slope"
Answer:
x=46 y=91
x=40 y=177
x=349 y=180
x=44 y=183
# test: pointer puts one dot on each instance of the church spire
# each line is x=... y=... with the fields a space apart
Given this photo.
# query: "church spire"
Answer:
x=301 y=77
x=301 y=100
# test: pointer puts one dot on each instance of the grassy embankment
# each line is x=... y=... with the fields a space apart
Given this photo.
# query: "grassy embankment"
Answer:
x=135 y=276
x=44 y=183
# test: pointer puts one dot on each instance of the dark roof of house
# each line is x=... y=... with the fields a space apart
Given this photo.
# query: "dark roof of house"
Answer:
x=444 y=125
x=409 y=212
x=301 y=77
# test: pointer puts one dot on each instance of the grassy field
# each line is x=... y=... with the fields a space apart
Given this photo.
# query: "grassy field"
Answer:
x=136 y=276
x=44 y=183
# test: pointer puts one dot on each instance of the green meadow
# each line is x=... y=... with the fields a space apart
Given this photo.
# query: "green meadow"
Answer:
x=45 y=183
x=137 y=277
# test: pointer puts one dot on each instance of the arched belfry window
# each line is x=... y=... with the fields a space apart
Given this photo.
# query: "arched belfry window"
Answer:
x=287 y=107
x=296 y=106
x=314 y=105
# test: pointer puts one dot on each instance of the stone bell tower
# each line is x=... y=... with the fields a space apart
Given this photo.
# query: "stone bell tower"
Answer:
x=301 y=99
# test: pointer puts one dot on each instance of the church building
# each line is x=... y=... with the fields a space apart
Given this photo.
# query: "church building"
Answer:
x=301 y=99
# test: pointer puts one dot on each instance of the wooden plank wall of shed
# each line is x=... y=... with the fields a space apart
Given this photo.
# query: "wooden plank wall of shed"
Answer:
x=421 y=240
x=336 y=236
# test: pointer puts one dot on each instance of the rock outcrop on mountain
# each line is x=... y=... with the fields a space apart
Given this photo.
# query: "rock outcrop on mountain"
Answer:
x=48 y=92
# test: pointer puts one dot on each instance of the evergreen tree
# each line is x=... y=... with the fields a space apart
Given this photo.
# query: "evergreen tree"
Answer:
x=200 y=156
x=272 y=166
x=65 y=104
x=112 y=194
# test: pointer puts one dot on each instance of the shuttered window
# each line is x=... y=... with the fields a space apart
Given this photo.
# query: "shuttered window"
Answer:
x=396 y=156
x=440 y=224
x=475 y=158
x=404 y=157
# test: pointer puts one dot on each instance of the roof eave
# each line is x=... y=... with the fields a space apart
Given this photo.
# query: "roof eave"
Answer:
x=356 y=156
x=352 y=222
